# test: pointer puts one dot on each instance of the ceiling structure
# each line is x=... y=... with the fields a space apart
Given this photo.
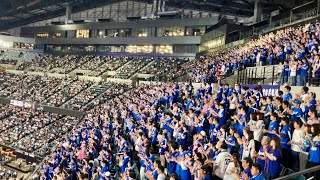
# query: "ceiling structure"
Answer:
x=15 y=13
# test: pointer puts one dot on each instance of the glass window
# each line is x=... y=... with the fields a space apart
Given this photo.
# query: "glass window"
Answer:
x=219 y=41
x=124 y=33
x=82 y=34
x=57 y=35
x=139 y=49
x=171 y=31
x=112 y=33
x=42 y=35
x=195 y=31
x=164 y=49
x=117 y=49
x=140 y=32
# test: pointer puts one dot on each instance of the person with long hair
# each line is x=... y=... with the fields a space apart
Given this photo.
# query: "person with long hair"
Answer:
x=314 y=153
x=233 y=166
x=257 y=126
x=273 y=160
x=313 y=117
x=248 y=145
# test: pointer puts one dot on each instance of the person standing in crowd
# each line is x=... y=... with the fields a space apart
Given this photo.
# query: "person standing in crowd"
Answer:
x=314 y=153
x=296 y=143
x=257 y=126
x=273 y=160
x=221 y=163
x=284 y=134
x=233 y=166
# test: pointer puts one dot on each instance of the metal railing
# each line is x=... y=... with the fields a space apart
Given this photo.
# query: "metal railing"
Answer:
x=301 y=173
x=271 y=75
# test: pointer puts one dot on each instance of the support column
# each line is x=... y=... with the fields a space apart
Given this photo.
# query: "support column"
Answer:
x=68 y=13
x=163 y=6
x=257 y=11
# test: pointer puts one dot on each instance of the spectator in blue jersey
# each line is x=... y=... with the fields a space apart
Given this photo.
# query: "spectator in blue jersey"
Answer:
x=304 y=67
x=246 y=165
x=256 y=173
x=273 y=127
x=268 y=109
x=287 y=96
x=297 y=112
x=314 y=153
x=170 y=156
x=231 y=140
x=260 y=155
x=205 y=173
x=273 y=160
x=284 y=134
x=284 y=73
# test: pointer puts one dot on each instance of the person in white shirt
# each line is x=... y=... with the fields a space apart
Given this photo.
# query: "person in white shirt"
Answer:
x=296 y=144
x=222 y=161
x=248 y=145
x=233 y=103
x=233 y=166
x=257 y=125
x=161 y=175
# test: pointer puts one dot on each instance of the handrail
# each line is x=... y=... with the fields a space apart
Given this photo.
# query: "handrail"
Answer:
x=313 y=169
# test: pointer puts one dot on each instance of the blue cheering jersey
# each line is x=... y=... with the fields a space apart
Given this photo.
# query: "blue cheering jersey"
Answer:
x=232 y=140
x=172 y=164
x=163 y=147
x=258 y=177
x=314 y=153
x=287 y=97
x=213 y=132
x=273 y=126
x=273 y=166
x=285 y=136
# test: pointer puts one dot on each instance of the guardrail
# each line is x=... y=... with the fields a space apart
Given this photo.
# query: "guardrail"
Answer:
x=296 y=174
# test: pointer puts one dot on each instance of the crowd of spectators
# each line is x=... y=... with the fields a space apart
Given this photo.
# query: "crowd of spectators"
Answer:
x=32 y=131
x=8 y=61
x=95 y=63
x=42 y=63
x=113 y=64
x=68 y=91
x=87 y=95
x=167 y=68
x=170 y=131
x=129 y=69
x=296 y=49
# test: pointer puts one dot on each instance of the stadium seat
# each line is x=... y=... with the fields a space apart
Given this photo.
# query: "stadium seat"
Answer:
x=283 y=170
x=288 y=171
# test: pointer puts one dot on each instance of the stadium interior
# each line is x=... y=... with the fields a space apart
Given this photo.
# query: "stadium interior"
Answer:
x=159 y=89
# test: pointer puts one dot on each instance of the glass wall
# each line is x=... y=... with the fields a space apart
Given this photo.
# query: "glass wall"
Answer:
x=139 y=49
x=195 y=30
x=112 y=33
x=124 y=32
x=82 y=34
x=56 y=35
x=140 y=32
x=219 y=41
x=42 y=35
x=170 y=31
x=164 y=49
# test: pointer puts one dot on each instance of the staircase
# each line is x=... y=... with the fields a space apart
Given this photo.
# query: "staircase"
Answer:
x=256 y=75
x=145 y=67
